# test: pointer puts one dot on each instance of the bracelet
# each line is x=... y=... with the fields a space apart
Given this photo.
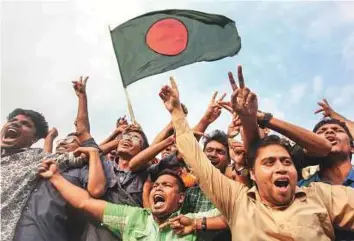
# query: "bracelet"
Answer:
x=204 y=224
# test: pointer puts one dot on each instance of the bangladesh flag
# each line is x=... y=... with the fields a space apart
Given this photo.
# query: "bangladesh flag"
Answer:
x=164 y=40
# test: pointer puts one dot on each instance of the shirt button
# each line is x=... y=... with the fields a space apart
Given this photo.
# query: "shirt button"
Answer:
x=35 y=190
x=281 y=226
x=27 y=208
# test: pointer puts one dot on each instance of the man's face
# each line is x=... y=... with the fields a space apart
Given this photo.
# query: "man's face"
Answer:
x=69 y=144
x=131 y=144
x=168 y=151
x=275 y=175
x=337 y=136
x=18 y=132
x=217 y=154
x=165 y=196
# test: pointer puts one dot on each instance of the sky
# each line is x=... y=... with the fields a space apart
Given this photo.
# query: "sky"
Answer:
x=293 y=54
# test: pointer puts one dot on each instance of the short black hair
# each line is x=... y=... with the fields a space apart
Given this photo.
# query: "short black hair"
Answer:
x=218 y=136
x=326 y=121
x=38 y=119
x=141 y=132
x=266 y=141
x=180 y=183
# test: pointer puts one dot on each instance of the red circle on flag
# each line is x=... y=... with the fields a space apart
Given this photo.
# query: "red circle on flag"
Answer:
x=168 y=36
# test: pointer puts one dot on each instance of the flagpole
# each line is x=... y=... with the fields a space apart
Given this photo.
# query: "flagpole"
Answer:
x=130 y=107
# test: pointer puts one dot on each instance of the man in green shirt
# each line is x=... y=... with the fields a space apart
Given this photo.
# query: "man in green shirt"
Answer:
x=133 y=223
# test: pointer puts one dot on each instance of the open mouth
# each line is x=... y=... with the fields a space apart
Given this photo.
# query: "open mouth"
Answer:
x=214 y=162
x=282 y=184
x=12 y=133
x=332 y=139
x=159 y=200
x=126 y=144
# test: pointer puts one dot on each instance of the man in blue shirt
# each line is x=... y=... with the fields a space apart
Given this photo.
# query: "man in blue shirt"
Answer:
x=335 y=168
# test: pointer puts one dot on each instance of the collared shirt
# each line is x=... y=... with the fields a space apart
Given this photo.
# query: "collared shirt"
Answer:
x=349 y=180
x=341 y=235
x=18 y=179
x=310 y=216
x=195 y=201
x=135 y=223
x=131 y=182
x=124 y=187
x=45 y=215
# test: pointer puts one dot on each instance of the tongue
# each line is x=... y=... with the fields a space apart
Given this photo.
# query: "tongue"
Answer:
x=158 y=204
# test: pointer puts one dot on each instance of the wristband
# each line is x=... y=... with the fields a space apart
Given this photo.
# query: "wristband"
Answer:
x=265 y=120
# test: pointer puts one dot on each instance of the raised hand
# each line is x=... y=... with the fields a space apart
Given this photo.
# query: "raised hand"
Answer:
x=170 y=96
x=326 y=109
x=234 y=127
x=243 y=101
x=214 y=109
x=121 y=121
x=80 y=86
x=181 y=225
x=47 y=169
x=53 y=133
x=85 y=151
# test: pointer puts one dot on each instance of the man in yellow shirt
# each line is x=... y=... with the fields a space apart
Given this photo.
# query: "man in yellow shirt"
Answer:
x=274 y=209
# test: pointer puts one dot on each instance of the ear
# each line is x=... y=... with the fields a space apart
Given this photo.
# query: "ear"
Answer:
x=252 y=174
x=181 y=198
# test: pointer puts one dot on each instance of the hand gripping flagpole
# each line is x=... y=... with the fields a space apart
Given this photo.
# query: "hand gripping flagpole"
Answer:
x=130 y=107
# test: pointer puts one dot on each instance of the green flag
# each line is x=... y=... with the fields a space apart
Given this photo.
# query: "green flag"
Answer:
x=164 y=40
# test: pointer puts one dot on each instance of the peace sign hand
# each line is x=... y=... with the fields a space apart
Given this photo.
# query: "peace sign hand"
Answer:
x=243 y=101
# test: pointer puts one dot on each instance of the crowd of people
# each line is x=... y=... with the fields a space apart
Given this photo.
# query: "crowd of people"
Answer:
x=281 y=182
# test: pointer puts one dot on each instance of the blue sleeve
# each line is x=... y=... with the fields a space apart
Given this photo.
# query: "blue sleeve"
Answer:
x=107 y=169
x=90 y=143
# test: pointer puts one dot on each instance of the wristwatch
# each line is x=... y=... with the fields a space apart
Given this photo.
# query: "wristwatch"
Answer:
x=204 y=224
x=242 y=171
x=263 y=123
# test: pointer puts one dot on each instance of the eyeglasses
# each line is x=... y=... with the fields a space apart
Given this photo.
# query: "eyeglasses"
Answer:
x=67 y=140
x=134 y=139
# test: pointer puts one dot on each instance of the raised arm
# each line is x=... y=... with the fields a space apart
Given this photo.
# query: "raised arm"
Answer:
x=219 y=189
x=245 y=104
x=121 y=125
x=141 y=160
x=328 y=111
x=77 y=197
x=163 y=134
x=211 y=114
x=82 y=123
x=96 y=178
x=49 y=139
x=314 y=145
